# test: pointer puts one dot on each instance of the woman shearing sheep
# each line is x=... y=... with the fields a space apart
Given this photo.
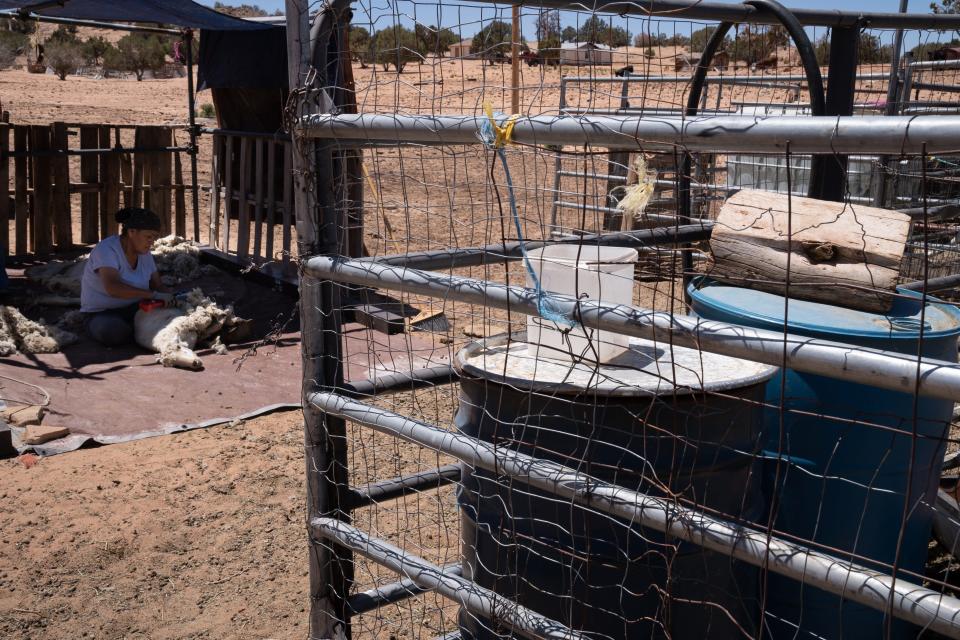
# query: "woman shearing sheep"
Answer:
x=118 y=275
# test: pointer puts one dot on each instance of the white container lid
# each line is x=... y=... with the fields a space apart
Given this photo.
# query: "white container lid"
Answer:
x=646 y=369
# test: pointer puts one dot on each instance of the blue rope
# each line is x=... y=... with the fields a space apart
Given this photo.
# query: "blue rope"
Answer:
x=546 y=308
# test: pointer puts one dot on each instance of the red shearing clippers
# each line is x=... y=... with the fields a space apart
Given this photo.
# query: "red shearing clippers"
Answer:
x=149 y=305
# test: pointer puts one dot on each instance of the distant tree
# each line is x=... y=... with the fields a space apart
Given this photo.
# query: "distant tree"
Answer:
x=699 y=39
x=137 y=53
x=596 y=29
x=434 y=40
x=394 y=45
x=872 y=52
x=240 y=11
x=821 y=48
x=755 y=44
x=8 y=53
x=63 y=56
x=360 y=45
x=548 y=25
x=569 y=34
x=548 y=49
x=492 y=42
x=64 y=33
x=945 y=6
x=13 y=43
x=16 y=25
x=94 y=48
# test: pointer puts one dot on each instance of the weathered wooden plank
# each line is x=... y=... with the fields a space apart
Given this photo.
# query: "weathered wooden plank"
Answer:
x=162 y=177
x=271 y=196
x=139 y=197
x=110 y=170
x=243 y=222
x=89 y=175
x=287 y=201
x=228 y=166
x=5 y=207
x=839 y=253
x=258 y=198
x=42 y=216
x=62 y=220
x=20 y=203
x=215 y=182
x=180 y=206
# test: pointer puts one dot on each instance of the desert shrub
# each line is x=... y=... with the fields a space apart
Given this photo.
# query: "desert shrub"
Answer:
x=207 y=110
x=394 y=45
x=360 y=45
x=12 y=44
x=493 y=41
x=137 y=53
x=94 y=48
x=64 y=57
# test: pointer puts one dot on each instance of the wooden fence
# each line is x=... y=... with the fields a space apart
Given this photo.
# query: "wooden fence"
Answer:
x=105 y=166
x=251 y=202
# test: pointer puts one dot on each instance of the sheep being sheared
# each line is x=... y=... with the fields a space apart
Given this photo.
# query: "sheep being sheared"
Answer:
x=175 y=331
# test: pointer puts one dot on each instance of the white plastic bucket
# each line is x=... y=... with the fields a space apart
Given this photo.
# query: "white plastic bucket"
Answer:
x=597 y=273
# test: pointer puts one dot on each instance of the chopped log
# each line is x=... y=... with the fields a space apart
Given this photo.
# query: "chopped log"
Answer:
x=840 y=253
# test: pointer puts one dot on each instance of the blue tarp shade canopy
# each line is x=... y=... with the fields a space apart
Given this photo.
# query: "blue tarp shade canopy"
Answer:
x=180 y=13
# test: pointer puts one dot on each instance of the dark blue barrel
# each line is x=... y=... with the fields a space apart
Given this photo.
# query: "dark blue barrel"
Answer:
x=834 y=480
x=652 y=423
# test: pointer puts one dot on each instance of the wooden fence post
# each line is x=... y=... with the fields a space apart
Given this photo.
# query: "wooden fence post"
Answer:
x=21 y=204
x=5 y=194
x=214 y=231
x=42 y=215
x=331 y=565
x=62 y=220
x=110 y=186
x=89 y=176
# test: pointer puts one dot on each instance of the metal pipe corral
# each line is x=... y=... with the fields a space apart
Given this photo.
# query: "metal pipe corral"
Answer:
x=882 y=369
x=470 y=596
x=912 y=602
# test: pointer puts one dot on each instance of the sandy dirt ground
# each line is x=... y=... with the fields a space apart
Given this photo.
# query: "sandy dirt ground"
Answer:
x=201 y=535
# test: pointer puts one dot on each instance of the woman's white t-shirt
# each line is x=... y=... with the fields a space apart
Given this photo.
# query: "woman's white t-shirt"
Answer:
x=109 y=253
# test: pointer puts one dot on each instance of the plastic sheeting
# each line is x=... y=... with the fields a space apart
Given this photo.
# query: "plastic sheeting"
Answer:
x=181 y=13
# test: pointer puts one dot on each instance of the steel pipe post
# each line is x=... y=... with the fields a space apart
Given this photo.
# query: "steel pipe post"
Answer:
x=885 y=370
x=722 y=134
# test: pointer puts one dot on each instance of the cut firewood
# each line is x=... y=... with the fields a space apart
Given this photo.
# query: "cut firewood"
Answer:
x=840 y=253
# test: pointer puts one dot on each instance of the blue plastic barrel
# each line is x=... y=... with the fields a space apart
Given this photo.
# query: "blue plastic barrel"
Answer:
x=832 y=479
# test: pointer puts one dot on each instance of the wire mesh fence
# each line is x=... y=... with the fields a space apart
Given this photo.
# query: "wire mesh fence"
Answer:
x=634 y=362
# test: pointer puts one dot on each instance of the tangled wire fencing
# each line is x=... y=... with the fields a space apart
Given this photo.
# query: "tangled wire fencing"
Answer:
x=627 y=341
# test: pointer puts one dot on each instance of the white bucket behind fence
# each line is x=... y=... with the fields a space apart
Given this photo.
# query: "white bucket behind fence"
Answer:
x=597 y=273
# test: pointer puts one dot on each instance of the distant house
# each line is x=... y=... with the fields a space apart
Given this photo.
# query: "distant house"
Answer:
x=945 y=53
x=461 y=49
x=585 y=53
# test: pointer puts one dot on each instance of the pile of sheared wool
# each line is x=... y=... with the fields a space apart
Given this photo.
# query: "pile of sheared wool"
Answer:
x=174 y=332
x=19 y=334
x=178 y=260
